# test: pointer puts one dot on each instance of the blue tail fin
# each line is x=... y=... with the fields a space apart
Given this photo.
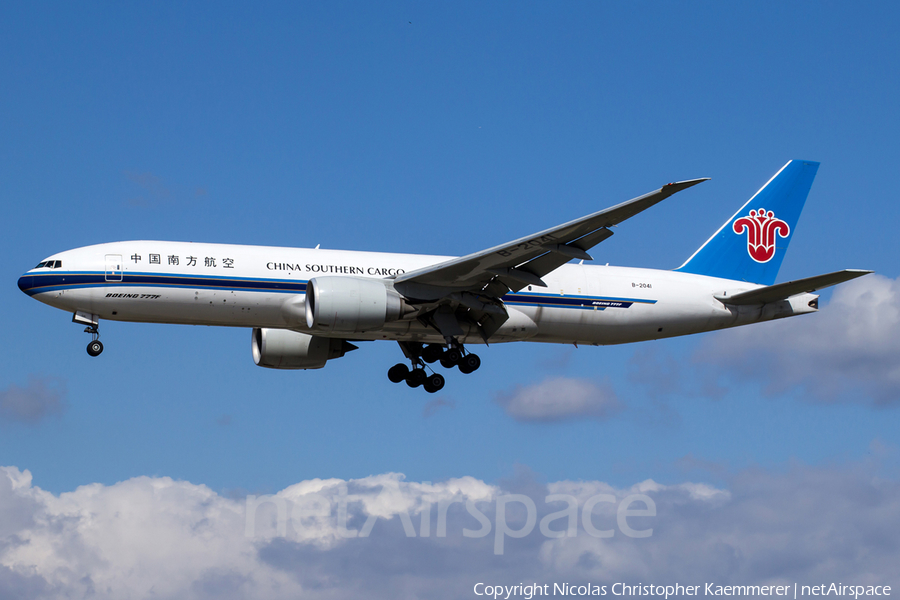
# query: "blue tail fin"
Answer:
x=751 y=245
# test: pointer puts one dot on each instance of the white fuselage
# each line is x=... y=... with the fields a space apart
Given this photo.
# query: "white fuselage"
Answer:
x=259 y=286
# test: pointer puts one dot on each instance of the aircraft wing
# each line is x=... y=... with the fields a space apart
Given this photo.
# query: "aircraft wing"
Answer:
x=516 y=264
x=782 y=291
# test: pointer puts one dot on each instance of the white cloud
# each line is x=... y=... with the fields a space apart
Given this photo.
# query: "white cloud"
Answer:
x=156 y=537
x=142 y=537
x=172 y=539
x=42 y=397
x=560 y=398
x=850 y=351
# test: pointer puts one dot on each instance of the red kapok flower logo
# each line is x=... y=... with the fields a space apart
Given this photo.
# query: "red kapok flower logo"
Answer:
x=761 y=228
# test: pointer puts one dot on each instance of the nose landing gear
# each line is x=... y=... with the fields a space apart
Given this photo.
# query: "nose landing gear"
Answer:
x=95 y=346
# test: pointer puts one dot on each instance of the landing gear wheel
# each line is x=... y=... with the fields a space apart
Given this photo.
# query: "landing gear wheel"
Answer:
x=434 y=383
x=450 y=358
x=469 y=363
x=416 y=378
x=95 y=348
x=432 y=352
x=398 y=372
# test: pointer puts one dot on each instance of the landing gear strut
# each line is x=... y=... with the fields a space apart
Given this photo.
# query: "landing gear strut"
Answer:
x=454 y=355
x=95 y=347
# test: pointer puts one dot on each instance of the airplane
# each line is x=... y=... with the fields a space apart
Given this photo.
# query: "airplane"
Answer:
x=309 y=306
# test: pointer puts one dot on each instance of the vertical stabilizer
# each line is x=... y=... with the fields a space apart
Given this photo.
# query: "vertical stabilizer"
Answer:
x=751 y=245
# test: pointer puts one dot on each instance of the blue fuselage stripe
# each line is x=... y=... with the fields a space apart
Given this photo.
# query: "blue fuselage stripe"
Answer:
x=38 y=283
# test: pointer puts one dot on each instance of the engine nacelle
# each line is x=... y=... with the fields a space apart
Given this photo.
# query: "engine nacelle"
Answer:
x=350 y=304
x=286 y=349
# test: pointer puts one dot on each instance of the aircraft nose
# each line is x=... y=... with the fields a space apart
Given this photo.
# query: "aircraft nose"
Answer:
x=26 y=282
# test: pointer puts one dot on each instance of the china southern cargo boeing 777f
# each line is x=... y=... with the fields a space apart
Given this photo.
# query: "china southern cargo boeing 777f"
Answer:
x=306 y=306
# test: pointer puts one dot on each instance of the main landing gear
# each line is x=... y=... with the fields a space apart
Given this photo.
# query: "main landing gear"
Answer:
x=95 y=347
x=453 y=356
x=416 y=377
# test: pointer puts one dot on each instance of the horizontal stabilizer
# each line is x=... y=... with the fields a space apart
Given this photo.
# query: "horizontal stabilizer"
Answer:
x=782 y=291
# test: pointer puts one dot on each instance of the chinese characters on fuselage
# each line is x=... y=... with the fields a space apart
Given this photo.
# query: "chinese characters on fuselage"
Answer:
x=189 y=261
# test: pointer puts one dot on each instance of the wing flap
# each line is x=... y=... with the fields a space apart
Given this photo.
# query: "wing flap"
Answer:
x=569 y=251
x=782 y=291
x=519 y=275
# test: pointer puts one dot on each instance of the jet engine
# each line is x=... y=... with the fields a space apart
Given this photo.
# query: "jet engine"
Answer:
x=286 y=349
x=351 y=304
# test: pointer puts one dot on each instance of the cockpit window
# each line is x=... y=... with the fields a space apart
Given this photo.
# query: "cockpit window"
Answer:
x=49 y=264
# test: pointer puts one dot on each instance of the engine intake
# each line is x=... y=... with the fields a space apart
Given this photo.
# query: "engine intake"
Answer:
x=286 y=349
x=350 y=304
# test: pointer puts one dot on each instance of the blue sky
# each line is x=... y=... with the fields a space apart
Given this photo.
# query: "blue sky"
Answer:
x=442 y=128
